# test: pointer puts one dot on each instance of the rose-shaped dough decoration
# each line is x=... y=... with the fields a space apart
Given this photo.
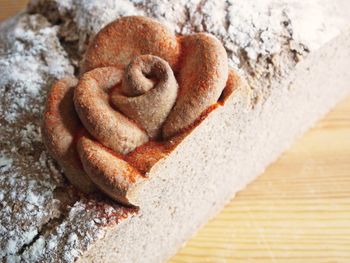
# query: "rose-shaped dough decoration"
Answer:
x=139 y=83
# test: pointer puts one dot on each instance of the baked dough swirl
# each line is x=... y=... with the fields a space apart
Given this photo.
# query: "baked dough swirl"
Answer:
x=138 y=82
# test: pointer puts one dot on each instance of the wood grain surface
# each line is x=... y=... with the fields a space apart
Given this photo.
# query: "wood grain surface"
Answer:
x=11 y=7
x=297 y=211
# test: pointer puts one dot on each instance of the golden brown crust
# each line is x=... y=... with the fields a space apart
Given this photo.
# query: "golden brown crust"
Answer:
x=202 y=77
x=232 y=83
x=125 y=38
x=60 y=125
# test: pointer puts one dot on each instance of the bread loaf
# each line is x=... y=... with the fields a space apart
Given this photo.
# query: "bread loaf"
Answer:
x=291 y=58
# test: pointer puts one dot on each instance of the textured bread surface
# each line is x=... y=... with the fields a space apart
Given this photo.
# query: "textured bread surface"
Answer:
x=291 y=73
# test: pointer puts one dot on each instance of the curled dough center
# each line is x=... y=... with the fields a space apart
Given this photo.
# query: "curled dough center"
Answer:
x=148 y=93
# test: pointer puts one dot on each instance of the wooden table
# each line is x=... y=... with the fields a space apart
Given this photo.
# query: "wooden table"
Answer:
x=11 y=7
x=297 y=211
